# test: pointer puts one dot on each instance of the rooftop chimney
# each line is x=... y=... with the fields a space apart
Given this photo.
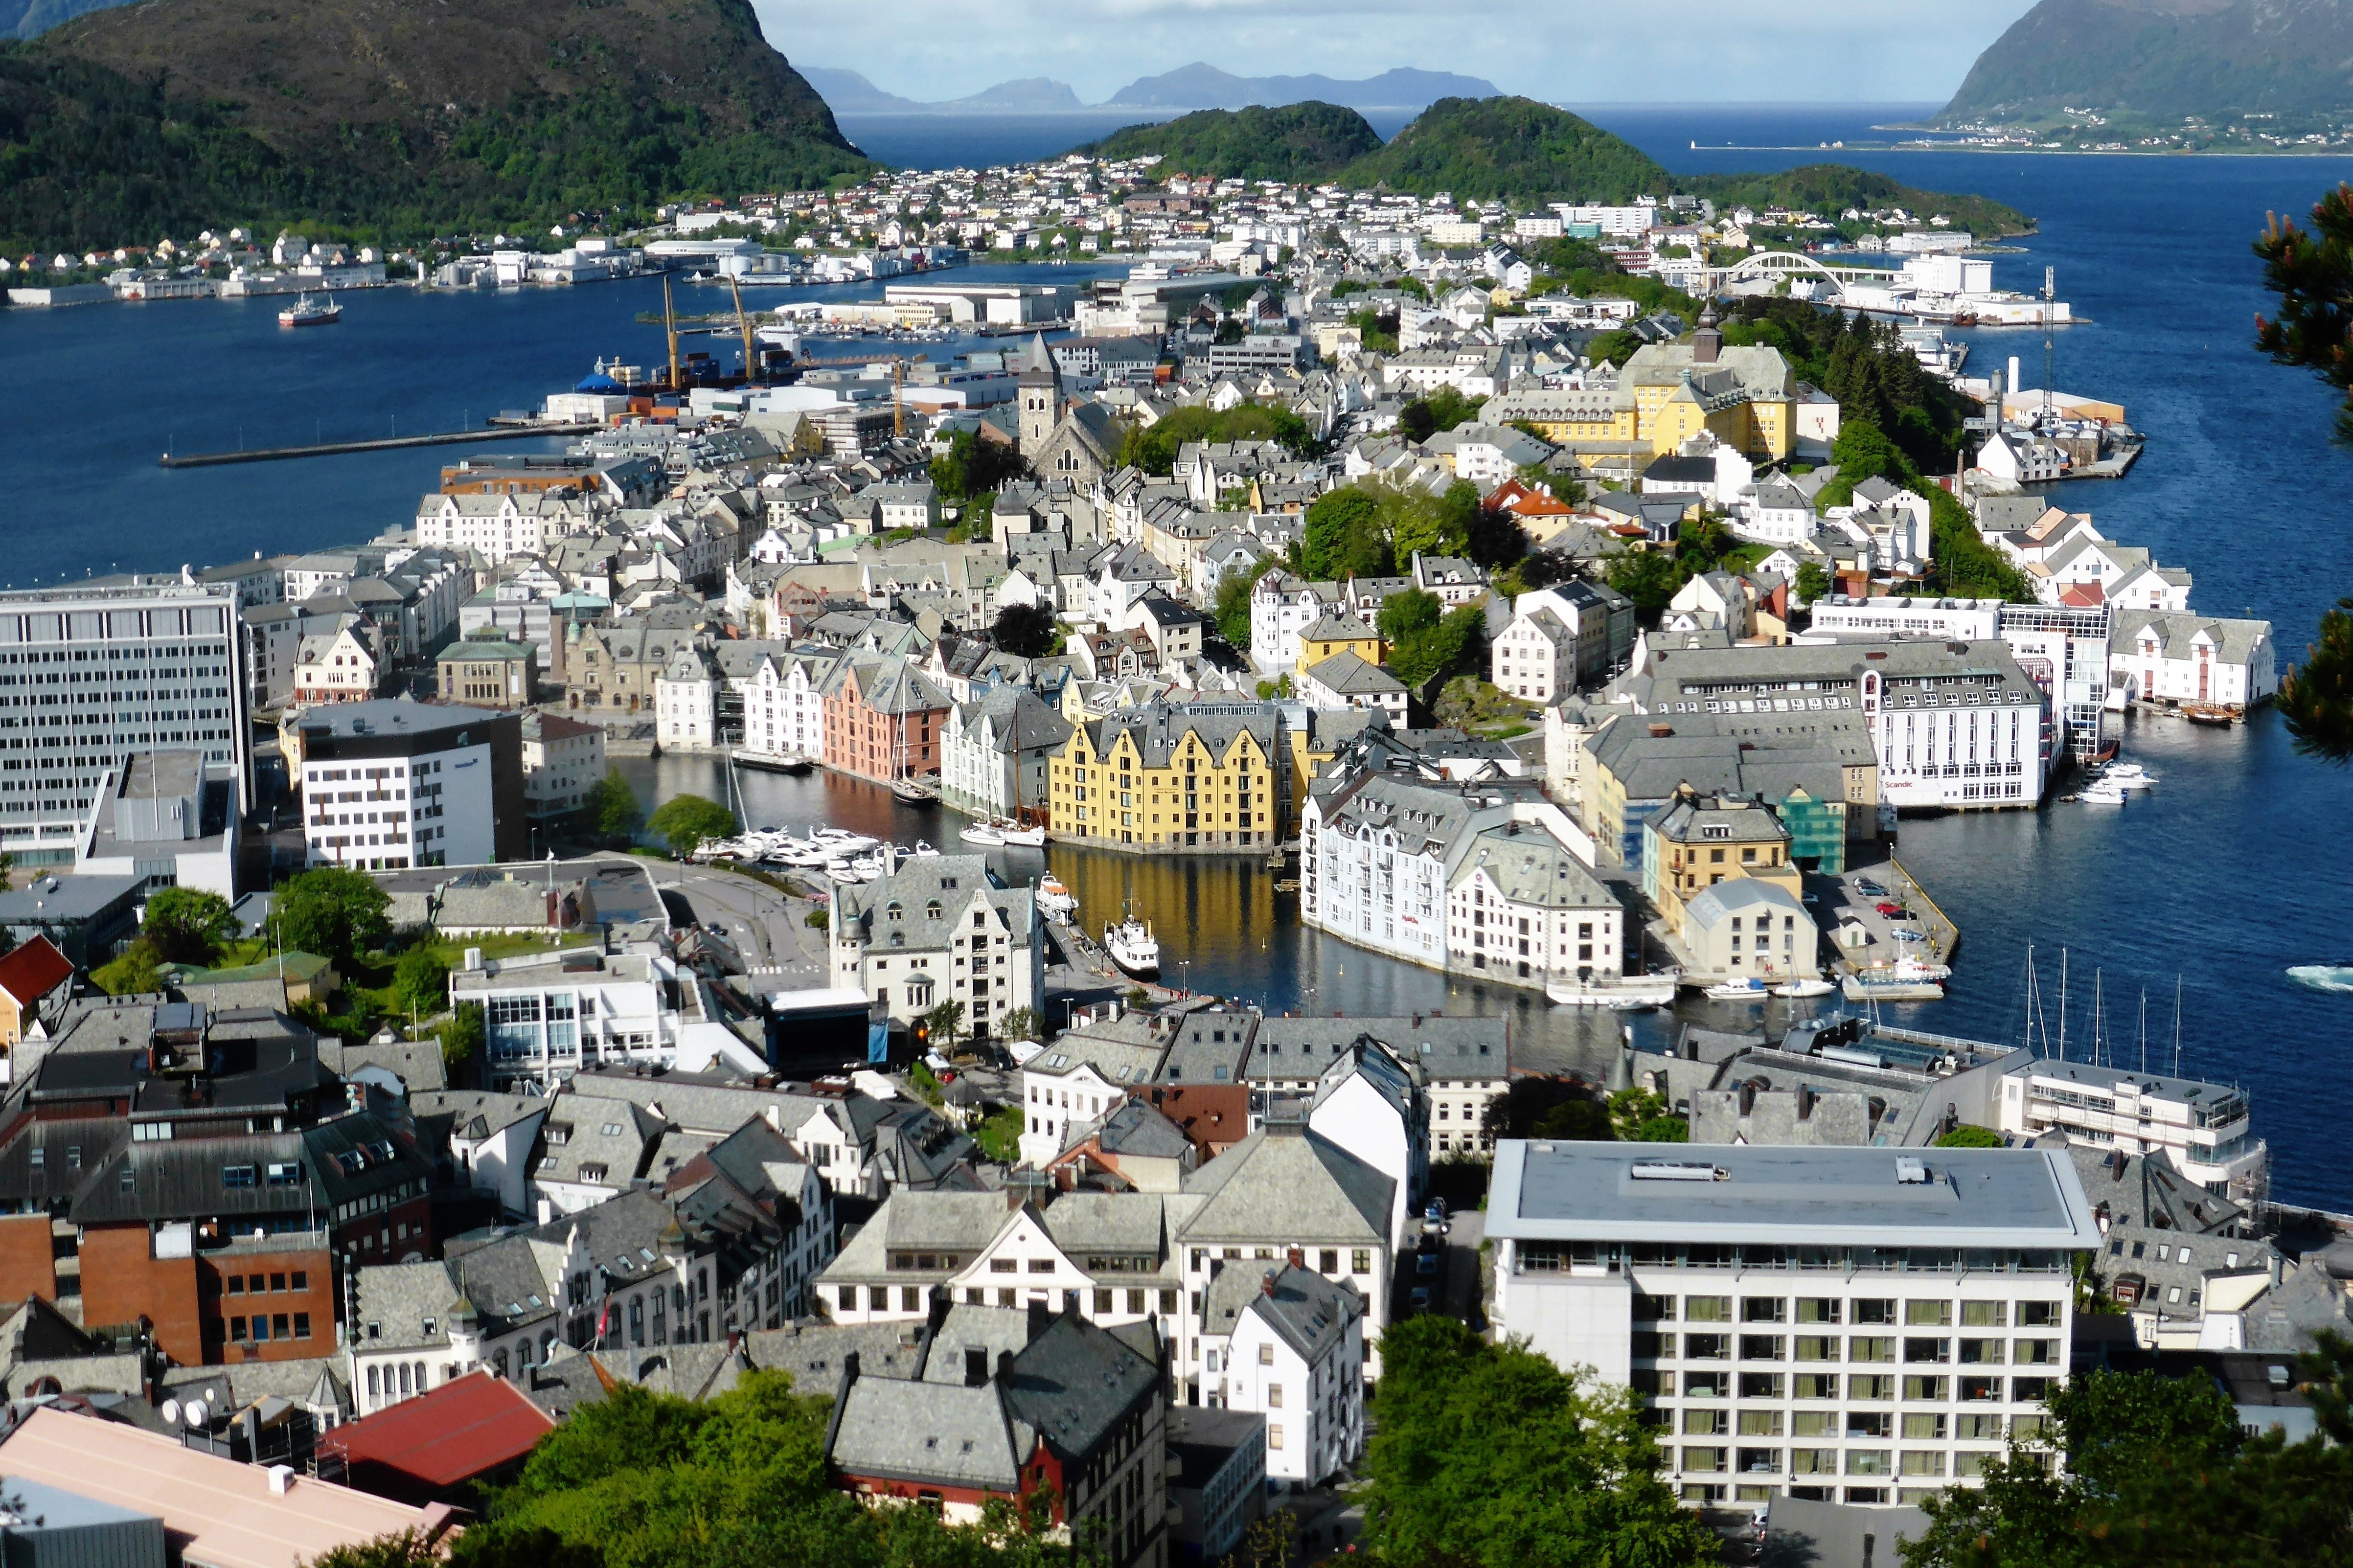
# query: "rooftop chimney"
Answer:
x=1266 y=1283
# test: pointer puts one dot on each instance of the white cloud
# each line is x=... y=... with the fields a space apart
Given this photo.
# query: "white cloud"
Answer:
x=1681 y=50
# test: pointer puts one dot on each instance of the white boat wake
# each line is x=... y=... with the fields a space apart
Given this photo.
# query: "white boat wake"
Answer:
x=2338 y=977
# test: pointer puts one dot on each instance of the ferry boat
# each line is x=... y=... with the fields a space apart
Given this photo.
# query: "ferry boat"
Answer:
x=308 y=312
x=1132 y=947
x=1055 y=899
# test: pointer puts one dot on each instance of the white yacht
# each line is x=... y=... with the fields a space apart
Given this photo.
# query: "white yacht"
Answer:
x=1133 y=947
x=1032 y=838
x=1804 y=988
x=981 y=833
x=1054 y=899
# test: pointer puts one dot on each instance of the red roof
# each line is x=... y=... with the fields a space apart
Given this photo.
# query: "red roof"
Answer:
x=447 y=1438
x=2083 y=595
x=33 y=970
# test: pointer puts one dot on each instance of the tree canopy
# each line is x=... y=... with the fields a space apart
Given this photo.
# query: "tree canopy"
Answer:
x=639 y=1479
x=612 y=808
x=1491 y=1456
x=2159 y=1474
x=2312 y=273
x=1025 y=631
x=331 y=911
x=1153 y=448
x=687 y=822
x=185 y=925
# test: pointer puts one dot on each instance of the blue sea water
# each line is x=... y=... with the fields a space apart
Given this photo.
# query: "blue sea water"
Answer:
x=980 y=141
x=2229 y=873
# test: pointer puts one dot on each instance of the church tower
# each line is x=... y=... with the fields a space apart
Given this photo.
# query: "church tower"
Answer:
x=1039 y=384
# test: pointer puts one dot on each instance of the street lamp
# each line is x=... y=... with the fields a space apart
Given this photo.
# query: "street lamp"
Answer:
x=1184 y=974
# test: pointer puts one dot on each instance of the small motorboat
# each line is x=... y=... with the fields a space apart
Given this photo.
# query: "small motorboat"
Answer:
x=2127 y=776
x=981 y=833
x=842 y=872
x=1055 y=899
x=1805 y=988
x=841 y=841
x=924 y=851
x=1749 y=990
x=1133 y=947
x=2101 y=793
x=1028 y=837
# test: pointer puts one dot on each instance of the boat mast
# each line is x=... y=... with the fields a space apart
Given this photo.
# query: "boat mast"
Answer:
x=2096 y=1017
x=2062 y=1004
x=2144 y=1029
x=2177 y=1025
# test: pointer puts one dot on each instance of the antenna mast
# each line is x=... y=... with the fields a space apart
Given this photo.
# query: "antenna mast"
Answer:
x=2050 y=294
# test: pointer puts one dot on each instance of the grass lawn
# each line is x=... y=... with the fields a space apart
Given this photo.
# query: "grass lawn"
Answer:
x=999 y=1136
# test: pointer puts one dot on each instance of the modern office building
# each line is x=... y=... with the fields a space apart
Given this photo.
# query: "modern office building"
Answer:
x=1862 y=1325
x=389 y=784
x=91 y=674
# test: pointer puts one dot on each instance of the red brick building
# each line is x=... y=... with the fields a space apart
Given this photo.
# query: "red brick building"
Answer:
x=883 y=719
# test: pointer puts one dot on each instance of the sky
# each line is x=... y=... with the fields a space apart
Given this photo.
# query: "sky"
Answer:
x=1561 y=51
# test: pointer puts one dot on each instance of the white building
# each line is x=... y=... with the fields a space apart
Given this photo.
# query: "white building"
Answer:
x=1774 y=512
x=334 y=667
x=390 y=783
x=1288 y=1344
x=149 y=667
x=2018 y=456
x=562 y=761
x=499 y=526
x=1350 y=680
x=1281 y=606
x=937 y=931
x=784 y=704
x=549 y=1015
x=996 y=750
x=1858 y=1325
x=1955 y=724
x=1535 y=658
x=2190 y=658
x=1437 y=875
x=2203 y=1129
x=686 y=700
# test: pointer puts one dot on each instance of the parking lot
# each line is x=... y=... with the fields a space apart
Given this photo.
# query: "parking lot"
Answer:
x=1896 y=916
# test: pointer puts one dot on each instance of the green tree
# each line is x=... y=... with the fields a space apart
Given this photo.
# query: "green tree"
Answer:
x=185 y=925
x=1025 y=631
x=2312 y=273
x=1409 y=613
x=1615 y=347
x=1439 y=651
x=420 y=981
x=1813 y=581
x=331 y=911
x=1021 y=1024
x=687 y=822
x=1649 y=577
x=463 y=1036
x=1968 y=1136
x=1343 y=535
x=974 y=466
x=942 y=1024
x=2316 y=698
x=133 y=973
x=1232 y=606
x=612 y=809
x=1491 y=1456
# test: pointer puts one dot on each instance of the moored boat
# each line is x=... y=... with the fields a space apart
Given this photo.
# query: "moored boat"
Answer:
x=1055 y=898
x=981 y=833
x=1749 y=990
x=1796 y=988
x=772 y=762
x=308 y=312
x=1133 y=947
x=1032 y=838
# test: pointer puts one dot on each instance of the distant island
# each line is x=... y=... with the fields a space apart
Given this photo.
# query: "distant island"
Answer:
x=1512 y=150
x=1195 y=86
x=2166 y=75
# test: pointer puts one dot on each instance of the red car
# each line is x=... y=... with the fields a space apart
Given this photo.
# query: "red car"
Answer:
x=1892 y=910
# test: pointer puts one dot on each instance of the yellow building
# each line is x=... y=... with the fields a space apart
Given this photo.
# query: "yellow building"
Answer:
x=1745 y=397
x=1165 y=778
x=1339 y=633
x=1702 y=840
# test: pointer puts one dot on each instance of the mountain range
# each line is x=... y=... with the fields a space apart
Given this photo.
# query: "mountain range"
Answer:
x=2155 y=60
x=1196 y=86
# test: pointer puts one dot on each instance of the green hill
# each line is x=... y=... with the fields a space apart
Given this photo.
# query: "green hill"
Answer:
x=1514 y=149
x=1301 y=141
x=1832 y=188
x=2161 y=60
x=173 y=114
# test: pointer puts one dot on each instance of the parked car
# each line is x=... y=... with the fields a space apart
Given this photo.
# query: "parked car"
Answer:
x=1435 y=1210
x=1893 y=910
x=1419 y=1300
x=1869 y=888
x=1425 y=1264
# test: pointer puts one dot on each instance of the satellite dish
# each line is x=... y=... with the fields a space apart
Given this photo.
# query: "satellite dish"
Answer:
x=196 y=1415
x=171 y=1410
